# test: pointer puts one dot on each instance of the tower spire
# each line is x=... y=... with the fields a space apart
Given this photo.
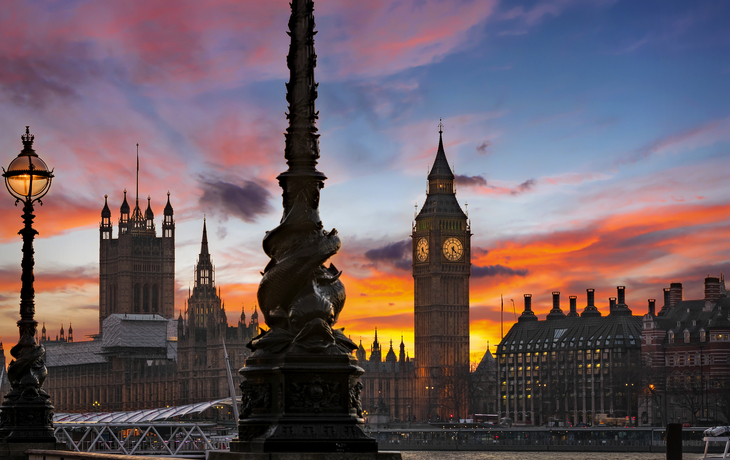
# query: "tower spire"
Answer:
x=136 y=195
x=204 y=241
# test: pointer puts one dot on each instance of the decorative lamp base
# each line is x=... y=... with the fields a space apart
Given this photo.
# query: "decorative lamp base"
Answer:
x=29 y=421
x=301 y=403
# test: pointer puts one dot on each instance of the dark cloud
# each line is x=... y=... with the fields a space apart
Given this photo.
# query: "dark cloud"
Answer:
x=398 y=254
x=246 y=202
x=483 y=148
x=479 y=252
x=525 y=186
x=37 y=81
x=496 y=270
x=470 y=181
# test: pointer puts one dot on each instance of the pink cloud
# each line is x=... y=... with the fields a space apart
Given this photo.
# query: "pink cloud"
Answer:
x=692 y=139
x=381 y=37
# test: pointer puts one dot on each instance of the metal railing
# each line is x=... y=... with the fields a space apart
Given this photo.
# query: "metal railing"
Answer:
x=156 y=439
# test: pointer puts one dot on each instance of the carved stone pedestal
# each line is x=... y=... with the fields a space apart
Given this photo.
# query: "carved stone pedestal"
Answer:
x=301 y=402
x=26 y=420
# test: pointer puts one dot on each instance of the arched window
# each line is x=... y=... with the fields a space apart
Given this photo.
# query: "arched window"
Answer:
x=155 y=298
x=686 y=336
x=137 y=298
x=146 y=299
x=671 y=336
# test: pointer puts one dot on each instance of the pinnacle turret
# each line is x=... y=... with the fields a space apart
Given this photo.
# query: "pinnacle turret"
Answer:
x=106 y=212
x=168 y=207
x=148 y=214
x=124 y=208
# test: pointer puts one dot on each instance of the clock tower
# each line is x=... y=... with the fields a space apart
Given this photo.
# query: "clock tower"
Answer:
x=441 y=269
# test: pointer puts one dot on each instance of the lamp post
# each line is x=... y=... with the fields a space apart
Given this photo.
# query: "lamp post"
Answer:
x=27 y=413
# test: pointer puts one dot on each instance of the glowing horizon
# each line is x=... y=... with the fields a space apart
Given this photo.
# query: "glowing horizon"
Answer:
x=590 y=140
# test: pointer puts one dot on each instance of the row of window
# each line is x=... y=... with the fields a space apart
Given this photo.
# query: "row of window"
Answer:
x=546 y=357
x=714 y=337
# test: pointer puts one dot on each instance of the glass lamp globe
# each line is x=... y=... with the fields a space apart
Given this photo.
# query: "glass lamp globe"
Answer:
x=28 y=176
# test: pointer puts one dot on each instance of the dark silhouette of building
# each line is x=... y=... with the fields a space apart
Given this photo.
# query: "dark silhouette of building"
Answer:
x=571 y=368
x=686 y=348
x=4 y=381
x=137 y=269
x=483 y=386
x=202 y=374
x=387 y=385
x=142 y=357
x=441 y=269
x=434 y=384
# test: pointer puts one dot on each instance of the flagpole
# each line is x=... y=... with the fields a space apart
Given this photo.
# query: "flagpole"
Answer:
x=501 y=317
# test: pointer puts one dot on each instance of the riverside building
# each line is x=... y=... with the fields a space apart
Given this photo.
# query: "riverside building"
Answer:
x=570 y=368
x=686 y=350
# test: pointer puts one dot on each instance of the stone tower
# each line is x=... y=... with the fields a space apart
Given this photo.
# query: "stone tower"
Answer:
x=136 y=269
x=441 y=269
x=201 y=364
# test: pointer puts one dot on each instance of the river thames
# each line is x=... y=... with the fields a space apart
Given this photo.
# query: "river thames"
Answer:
x=441 y=455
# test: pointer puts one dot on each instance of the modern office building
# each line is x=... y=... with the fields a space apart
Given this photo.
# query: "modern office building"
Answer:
x=570 y=369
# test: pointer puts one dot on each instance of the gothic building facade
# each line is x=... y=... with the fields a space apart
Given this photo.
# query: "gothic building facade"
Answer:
x=441 y=238
x=434 y=384
x=142 y=358
x=136 y=269
x=387 y=384
x=205 y=339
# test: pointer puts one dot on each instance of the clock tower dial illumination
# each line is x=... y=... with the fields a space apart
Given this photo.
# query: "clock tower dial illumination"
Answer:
x=422 y=250
x=453 y=249
x=441 y=296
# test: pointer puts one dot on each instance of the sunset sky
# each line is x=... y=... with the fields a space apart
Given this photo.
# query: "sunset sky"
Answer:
x=591 y=141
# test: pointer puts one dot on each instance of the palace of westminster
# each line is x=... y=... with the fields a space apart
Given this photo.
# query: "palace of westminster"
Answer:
x=573 y=367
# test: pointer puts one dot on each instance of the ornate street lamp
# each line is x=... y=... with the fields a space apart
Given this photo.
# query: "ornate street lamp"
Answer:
x=27 y=413
x=300 y=389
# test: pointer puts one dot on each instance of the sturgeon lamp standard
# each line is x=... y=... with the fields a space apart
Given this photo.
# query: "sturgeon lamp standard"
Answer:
x=27 y=413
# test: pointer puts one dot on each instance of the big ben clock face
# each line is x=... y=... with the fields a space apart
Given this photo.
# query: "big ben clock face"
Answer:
x=453 y=249
x=422 y=250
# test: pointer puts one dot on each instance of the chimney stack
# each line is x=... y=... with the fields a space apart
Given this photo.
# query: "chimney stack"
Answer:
x=712 y=288
x=621 y=295
x=611 y=304
x=573 y=306
x=528 y=314
x=590 y=310
x=652 y=307
x=667 y=301
x=675 y=293
x=556 y=312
